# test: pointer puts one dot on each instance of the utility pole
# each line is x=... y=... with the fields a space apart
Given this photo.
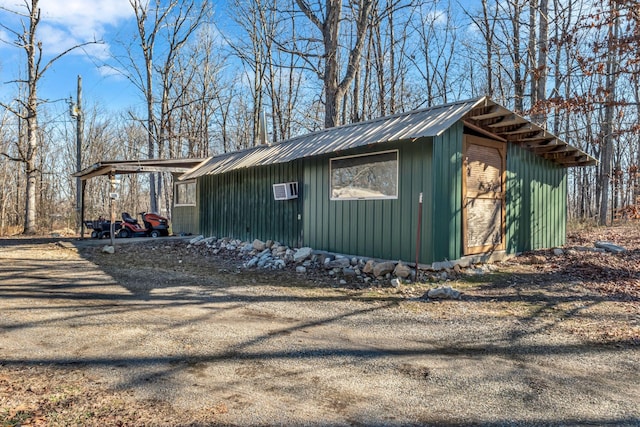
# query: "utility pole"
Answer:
x=77 y=113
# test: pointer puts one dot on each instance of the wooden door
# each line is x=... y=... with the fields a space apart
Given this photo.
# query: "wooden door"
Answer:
x=483 y=187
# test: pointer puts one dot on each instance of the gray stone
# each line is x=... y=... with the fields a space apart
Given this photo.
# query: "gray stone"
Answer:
x=357 y=271
x=338 y=263
x=302 y=254
x=307 y=263
x=585 y=249
x=108 y=249
x=368 y=267
x=349 y=272
x=343 y=282
x=444 y=292
x=558 y=252
x=441 y=265
x=246 y=248
x=383 y=268
x=280 y=264
x=264 y=253
x=325 y=258
x=252 y=262
x=268 y=243
x=259 y=245
x=402 y=270
x=231 y=247
x=301 y=269
x=354 y=261
x=262 y=262
x=196 y=239
x=208 y=241
x=395 y=282
x=609 y=247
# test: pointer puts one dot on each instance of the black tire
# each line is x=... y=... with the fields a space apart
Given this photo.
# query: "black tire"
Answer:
x=155 y=233
x=94 y=234
x=124 y=233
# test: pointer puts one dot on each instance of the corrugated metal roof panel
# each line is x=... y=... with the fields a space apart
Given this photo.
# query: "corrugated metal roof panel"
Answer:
x=411 y=125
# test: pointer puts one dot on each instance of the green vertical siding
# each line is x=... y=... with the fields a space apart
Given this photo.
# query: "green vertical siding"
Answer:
x=446 y=205
x=375 y=228
x=184 y=220
x=240 y=204
x=536 y=201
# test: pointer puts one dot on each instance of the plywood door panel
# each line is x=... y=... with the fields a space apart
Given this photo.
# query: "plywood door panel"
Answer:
x=483 y=187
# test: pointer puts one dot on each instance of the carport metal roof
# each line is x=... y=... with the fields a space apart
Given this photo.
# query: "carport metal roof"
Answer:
x=124 y=167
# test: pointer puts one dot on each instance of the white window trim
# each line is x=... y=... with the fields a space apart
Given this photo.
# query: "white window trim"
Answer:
x=176 y=204
x=365 y=155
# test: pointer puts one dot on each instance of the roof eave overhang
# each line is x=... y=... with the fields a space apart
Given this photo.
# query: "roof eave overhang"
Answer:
x=492 y=119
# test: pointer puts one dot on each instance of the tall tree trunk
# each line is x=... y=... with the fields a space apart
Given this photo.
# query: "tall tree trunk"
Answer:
x=329 y=25
x=533 y=43
x=32 y=121
x=488 y=39
x=609 y=109
x=541 y=68
x=518 y=81
x=392 y=59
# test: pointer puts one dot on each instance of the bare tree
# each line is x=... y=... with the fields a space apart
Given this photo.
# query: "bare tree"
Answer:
x=27 y=107
x=170 y=24
x=327 y=18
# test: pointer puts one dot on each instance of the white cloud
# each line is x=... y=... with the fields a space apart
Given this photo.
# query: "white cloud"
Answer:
x=66 y=23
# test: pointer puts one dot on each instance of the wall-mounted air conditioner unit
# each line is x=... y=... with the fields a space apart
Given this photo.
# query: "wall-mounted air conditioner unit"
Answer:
x=285 y=191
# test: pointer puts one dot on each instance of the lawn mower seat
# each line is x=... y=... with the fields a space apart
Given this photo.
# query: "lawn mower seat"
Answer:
x=128 y=218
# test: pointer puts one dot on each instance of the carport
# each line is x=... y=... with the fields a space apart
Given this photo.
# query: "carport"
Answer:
x=111 y=168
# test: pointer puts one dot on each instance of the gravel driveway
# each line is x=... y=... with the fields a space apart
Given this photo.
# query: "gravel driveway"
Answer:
x=151 y=336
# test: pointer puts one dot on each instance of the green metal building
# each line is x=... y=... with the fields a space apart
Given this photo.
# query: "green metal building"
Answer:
x=489 y=181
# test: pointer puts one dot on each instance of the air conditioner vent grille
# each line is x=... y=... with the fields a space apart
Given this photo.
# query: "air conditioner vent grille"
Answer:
x=285 y=191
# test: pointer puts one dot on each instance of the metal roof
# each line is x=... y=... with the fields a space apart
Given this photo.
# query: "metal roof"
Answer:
x=481 y=114
x=123 y=167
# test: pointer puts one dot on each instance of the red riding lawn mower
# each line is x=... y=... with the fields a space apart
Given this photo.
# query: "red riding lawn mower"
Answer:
x=154 y=225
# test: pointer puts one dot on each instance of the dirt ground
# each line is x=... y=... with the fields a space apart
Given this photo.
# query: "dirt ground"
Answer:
x=161 y=334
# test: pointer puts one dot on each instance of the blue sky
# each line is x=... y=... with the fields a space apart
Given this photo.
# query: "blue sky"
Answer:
x=65 y=23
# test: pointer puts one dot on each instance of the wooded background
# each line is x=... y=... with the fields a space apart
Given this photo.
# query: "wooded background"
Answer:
x=208 y=79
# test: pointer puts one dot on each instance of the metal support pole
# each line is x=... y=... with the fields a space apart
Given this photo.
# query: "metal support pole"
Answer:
x=418 y=232
x=112 y=228
x=79 y=115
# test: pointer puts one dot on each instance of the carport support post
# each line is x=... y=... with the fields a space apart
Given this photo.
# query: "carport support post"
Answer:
x=112 y=227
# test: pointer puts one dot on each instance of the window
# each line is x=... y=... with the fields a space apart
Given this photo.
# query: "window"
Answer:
x=185 y=193
x=369 y=176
